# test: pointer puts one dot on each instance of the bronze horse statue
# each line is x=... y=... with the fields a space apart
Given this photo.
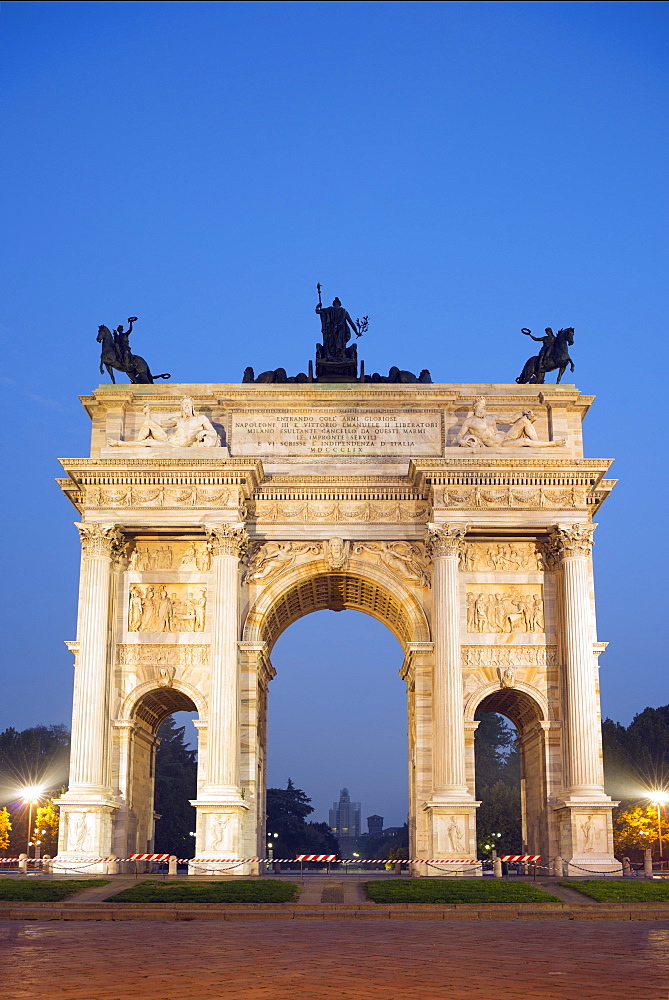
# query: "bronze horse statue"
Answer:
x=553 y=355
x=116 y=354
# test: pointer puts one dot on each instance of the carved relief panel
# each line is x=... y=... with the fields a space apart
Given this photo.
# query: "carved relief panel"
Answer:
x=503 y=608
x=167 y=607
x=484 y=557
x=187 y=556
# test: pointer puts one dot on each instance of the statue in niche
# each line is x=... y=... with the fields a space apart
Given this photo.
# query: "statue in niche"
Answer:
x=148 y=611
x=455 y=836
x=81 y=833
x=191 y=430
x=589 y=831
x=479 y=430
x=554 y=355
x=218 y=830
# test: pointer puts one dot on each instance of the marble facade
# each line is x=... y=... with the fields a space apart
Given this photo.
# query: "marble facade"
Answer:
x=474 y=548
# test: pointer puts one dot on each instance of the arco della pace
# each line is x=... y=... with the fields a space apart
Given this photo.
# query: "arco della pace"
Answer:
x=213 y=516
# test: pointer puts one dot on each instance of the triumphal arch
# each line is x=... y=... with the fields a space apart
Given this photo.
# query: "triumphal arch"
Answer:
x=213 y=516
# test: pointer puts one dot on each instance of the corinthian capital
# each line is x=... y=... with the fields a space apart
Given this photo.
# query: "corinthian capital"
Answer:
x=227 y=539
x=446 y=539
x=566 y=541
x=100 y=539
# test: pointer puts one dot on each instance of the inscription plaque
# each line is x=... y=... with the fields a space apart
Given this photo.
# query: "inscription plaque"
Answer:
x=340 y=432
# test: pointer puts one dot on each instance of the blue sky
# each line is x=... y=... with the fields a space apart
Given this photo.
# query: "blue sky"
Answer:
x=454 y=170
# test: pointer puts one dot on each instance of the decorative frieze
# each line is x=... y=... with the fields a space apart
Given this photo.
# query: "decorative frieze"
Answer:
x=187 y=556
x=352 y=511
x=510 y=609
x=501 y=556
x=160 y=496
x=158 y=654
x=509 y=656
x=507 y=496
x=157 y=609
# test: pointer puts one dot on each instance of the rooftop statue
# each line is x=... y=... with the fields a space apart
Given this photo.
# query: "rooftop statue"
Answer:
x=479 y=430
x=334 y=360
x=191 y=430
x=116 y=354
x=554 y=354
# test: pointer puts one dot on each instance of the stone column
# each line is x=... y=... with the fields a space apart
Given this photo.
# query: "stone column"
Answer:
x=584 y=814
x=228 y=544
x=87 y=806
x=571 y=545
x=89 y=764
x=448 y=748
x=220 y=803
x=451 y=808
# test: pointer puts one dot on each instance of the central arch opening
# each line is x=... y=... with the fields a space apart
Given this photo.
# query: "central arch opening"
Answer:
x=337 y=713
x=337 y=719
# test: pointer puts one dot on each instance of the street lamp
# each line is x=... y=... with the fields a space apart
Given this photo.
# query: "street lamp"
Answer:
x=31 y=795
x=659 y=799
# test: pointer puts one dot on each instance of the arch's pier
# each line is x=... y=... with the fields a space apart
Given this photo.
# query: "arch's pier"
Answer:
x=460 y=516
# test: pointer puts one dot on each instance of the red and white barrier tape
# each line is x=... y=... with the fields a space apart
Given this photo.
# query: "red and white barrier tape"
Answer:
x=520 y=857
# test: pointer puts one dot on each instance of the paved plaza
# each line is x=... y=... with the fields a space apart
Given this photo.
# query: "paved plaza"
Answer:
x=342 y=960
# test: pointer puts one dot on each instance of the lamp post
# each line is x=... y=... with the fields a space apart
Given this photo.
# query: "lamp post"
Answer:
x=271 y=837
x=659 y=799
x=31 y=795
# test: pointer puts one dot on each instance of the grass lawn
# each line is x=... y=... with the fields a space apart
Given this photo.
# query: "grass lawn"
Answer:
x=34 y=891
x=239 y=891
x=632 y=891
x=455 y=890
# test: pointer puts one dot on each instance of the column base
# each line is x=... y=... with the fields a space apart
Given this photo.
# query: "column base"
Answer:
x=219 y=836
x=85 y=832
x=585 y=835
x=453 y=839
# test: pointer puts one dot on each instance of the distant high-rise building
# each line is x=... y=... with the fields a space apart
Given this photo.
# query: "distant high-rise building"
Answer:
x=375 y=825
x=345 y=821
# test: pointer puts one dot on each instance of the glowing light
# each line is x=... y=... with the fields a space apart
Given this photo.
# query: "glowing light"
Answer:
x=32 y=793
x=659 y=798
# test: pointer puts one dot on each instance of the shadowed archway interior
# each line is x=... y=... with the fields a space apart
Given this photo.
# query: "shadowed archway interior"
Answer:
x=335 y=592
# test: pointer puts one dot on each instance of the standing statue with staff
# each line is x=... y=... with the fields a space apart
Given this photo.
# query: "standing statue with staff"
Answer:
x=337 y=327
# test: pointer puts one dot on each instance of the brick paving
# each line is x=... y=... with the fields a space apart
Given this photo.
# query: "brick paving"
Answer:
x=335 y=960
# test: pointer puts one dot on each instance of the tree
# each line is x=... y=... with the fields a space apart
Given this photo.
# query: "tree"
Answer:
x=499 y=812
x=176 y=784
x=5 y=828
x=497 y=785
x=635 y=829
x=636 y=762
x=287 y=810
x=46 y=819
x=36 y=756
